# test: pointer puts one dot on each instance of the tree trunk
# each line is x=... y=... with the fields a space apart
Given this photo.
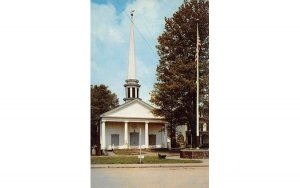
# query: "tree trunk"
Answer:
x=172 y=144
x=98 y=149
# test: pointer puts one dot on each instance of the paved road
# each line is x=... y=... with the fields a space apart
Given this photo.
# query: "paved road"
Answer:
x=149 y=177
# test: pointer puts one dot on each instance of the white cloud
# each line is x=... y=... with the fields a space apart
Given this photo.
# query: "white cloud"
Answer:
x=104 y=23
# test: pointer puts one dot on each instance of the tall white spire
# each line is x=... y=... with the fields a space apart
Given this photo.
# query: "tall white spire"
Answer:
x=131 y=57
x=131 y=86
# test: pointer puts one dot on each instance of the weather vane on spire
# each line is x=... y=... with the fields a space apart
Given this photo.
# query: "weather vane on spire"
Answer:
x=131 y=13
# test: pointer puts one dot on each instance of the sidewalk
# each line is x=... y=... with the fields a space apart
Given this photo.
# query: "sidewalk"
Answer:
x=167 y=165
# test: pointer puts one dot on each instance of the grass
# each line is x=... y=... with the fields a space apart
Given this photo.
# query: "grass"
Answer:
x=135 y=160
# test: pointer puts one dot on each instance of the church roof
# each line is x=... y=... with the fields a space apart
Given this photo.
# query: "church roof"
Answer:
x=135 y=109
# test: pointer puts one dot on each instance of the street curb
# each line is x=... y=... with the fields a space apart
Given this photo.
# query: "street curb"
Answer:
x=147 y=165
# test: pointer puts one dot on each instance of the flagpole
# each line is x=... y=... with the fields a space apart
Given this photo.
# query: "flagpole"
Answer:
x=197 y=103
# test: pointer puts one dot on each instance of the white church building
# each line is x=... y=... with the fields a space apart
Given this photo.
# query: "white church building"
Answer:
x=132 y=124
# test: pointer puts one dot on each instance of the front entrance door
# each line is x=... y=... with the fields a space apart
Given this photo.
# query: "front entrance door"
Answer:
x=152 y=139
x=134 y=139
x=114 y=139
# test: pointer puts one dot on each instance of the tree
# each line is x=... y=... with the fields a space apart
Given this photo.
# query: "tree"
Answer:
x=102 y=100
x=175 y=90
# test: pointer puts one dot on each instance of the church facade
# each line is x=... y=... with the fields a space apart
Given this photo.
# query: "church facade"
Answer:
x=132 y=124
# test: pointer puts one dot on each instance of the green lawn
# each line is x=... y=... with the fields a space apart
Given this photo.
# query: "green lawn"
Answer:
x=135 y=160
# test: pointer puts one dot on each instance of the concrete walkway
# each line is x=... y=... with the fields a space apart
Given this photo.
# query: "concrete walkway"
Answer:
x=111 y=153
x=148 y=165
x=177 y=157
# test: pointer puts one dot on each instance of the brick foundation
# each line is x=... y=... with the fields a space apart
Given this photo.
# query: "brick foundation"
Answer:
x=194 y=154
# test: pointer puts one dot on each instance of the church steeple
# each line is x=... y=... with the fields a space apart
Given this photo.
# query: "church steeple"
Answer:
x=131 y=56
x=131 y=86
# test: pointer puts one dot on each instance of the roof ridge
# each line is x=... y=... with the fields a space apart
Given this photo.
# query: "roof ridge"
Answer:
x=126 y=104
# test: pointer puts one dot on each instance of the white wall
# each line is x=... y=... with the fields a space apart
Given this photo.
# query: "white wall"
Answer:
x=114 y=128
x=156 y=129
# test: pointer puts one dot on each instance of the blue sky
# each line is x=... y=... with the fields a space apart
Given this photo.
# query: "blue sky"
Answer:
x=119 y=5
x=110 y=25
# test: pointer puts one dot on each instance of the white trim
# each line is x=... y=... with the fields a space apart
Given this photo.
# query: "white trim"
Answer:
x=130 y=92
x=103 y=144
x=126 y=143
x=135 y=120
x=127 y=104
x=146 y=134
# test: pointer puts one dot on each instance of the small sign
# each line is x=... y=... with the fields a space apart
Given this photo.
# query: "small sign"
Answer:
x=141 y=156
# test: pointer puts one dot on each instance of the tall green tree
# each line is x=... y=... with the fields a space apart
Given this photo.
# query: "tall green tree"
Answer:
x=102 y=100
x=175 y=90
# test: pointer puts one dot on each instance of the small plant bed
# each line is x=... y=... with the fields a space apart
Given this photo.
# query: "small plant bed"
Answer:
x=135 y=160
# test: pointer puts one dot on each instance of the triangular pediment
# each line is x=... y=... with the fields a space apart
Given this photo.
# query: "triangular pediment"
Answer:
x=133 y=109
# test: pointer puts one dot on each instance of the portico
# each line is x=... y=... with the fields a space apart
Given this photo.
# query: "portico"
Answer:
x=132 y=132
x=129 y=137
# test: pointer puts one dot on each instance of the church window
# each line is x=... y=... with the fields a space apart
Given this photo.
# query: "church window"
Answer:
x=128 y=92
x=115 y=139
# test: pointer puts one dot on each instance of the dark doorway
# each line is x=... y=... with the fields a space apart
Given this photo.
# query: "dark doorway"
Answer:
x=134 y=139
x=205 y=139
x=152 y=139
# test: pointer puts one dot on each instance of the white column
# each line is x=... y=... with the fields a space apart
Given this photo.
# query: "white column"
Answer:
x=126 y=134
x=103 y=144
x=166 y=135
x=146 y=135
